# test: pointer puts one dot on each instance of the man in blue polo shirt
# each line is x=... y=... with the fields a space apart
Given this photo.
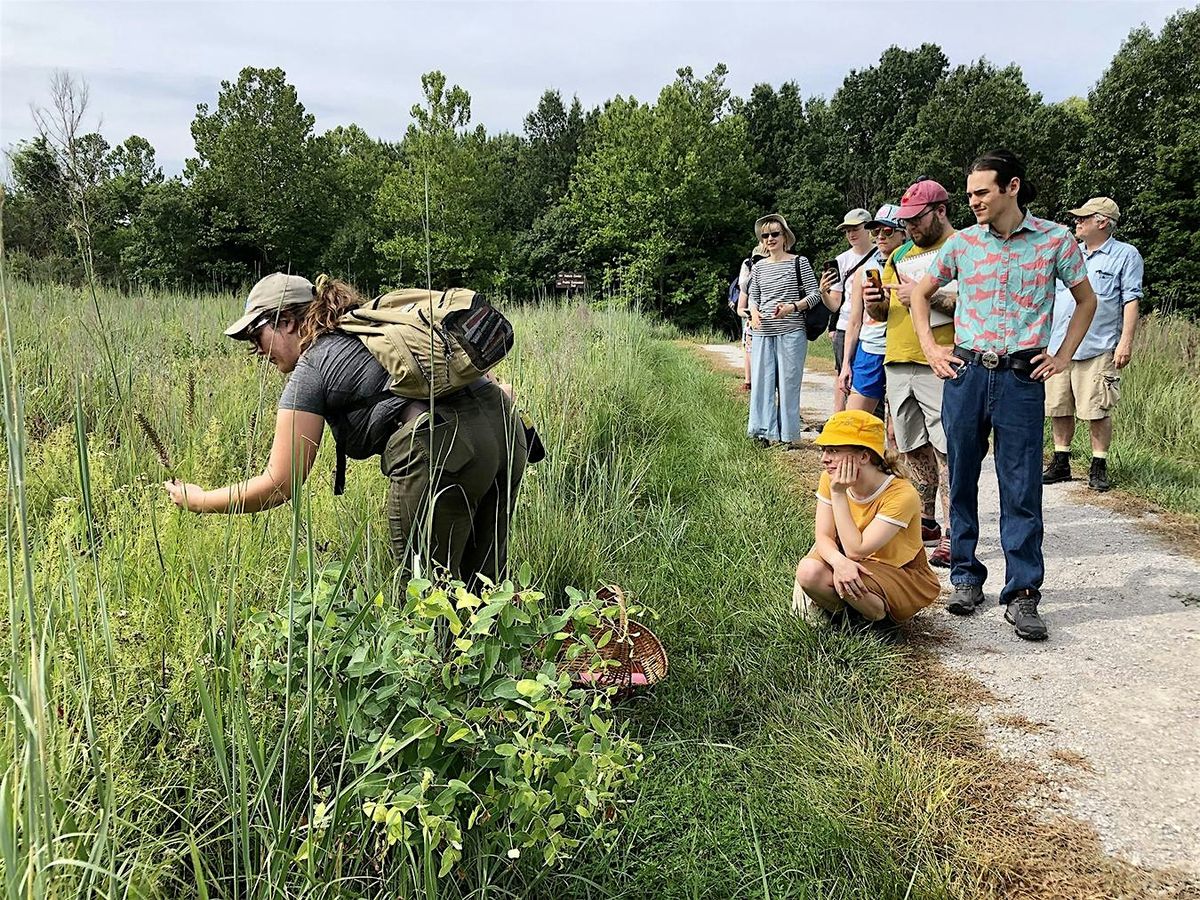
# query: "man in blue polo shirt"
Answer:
x=1089 y=389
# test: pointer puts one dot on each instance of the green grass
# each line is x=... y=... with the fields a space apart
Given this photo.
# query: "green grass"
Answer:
x=138 y=760
x=1155 y=452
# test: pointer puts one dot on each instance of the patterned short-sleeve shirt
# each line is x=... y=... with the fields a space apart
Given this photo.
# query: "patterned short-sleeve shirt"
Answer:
x=1006 y=285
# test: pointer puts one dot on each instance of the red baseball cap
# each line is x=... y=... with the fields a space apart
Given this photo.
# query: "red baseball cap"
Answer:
x=920 y=195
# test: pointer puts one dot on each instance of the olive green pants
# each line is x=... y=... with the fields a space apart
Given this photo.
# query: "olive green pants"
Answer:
x=454 y=483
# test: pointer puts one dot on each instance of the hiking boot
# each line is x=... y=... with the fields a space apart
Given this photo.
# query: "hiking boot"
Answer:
x=941 y=556
x=1098 y=475
x=1059 y=468
x=964 y=599
x=761 y=442
x=930 y=533
x=1022 y=614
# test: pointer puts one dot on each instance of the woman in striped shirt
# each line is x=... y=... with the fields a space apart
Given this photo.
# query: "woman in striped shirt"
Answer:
x=782 y=288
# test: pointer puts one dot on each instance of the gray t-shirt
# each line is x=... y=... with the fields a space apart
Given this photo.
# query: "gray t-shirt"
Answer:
x=336 y=372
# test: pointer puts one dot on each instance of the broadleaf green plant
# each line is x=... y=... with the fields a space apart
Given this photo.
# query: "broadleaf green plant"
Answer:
x=452 y=716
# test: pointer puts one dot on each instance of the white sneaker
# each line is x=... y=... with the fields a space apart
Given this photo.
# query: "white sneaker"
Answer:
x=812 y=614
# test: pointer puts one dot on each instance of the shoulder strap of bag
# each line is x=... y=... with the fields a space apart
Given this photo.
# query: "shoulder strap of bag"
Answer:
x=339 y=472
x=854 y=268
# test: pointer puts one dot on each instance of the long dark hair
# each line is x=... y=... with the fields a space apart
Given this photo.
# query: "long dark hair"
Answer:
x=1007 y=166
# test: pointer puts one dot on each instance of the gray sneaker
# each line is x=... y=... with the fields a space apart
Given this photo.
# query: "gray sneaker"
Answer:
x=964 y=599
x=1022 y=614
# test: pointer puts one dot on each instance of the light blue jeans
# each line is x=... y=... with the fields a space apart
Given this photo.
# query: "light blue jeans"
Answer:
x=776 y=373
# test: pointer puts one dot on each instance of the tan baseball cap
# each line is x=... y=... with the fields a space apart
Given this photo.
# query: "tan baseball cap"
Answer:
x=855 y=217
x=269 y=296
x=1105 y=206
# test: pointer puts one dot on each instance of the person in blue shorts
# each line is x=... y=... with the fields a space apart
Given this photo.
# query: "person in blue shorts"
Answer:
x=866 y=338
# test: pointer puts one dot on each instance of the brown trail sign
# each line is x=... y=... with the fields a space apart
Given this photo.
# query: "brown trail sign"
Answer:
x=570 y=282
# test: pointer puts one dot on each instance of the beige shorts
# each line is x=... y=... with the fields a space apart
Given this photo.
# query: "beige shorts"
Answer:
x=1088 y=390
x=914 y=395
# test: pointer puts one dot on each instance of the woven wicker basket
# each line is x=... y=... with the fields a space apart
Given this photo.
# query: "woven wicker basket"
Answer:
x=635 y=658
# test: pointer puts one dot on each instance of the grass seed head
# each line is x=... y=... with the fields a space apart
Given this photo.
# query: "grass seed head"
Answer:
x=160 y=449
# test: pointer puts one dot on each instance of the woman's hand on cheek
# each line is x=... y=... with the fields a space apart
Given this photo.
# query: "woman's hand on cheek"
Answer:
x=846 y=475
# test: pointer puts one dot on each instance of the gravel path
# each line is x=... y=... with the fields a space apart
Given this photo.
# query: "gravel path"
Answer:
x=1109 y=706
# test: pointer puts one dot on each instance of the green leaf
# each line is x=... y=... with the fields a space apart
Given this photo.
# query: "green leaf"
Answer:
x=305 y=849
x=506 y=750
x=528 y=687
x=503 y=688
x=458 y=735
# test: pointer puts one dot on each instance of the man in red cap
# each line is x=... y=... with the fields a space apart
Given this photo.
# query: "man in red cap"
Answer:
x=914 y=391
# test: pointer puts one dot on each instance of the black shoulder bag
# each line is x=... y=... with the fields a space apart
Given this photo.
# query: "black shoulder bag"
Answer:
x=816 y=319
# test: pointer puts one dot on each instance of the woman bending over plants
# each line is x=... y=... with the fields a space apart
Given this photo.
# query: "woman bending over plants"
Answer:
x=868 y=553
x=466 y=456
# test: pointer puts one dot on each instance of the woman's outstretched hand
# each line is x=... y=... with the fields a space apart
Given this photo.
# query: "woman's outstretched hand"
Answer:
x=185 y=496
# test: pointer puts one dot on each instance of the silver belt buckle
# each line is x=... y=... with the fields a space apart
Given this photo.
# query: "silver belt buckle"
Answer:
x=990 y=359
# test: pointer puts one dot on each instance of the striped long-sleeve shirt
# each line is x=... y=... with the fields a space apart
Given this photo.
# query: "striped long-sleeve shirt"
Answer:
x=773 y=283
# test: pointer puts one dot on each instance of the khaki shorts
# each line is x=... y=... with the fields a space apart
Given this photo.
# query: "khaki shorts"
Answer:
x=1088 y=390
x=914 y=394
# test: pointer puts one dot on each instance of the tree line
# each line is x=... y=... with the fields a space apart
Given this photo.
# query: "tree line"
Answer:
x=653 y=202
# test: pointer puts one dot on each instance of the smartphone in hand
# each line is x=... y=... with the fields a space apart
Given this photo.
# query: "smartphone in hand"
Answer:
x=875 y=279
x=831 y=265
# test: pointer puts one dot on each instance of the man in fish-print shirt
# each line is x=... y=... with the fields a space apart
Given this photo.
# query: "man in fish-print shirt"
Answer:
x=1006 y=266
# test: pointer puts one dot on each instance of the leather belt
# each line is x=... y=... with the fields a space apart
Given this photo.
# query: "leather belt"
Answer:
x=990 y=359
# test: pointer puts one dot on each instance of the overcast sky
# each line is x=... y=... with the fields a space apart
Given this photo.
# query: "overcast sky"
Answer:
x=149 y=63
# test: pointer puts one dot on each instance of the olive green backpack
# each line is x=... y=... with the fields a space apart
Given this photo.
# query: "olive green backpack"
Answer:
x=432 y=343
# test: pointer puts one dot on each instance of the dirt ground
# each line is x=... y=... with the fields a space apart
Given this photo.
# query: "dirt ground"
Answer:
x=1109 y=707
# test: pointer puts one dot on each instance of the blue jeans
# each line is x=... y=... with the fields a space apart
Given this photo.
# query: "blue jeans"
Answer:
x=975 y=404
x=776 y=368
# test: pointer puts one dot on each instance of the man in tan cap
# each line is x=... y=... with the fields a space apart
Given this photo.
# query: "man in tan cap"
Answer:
x=1090 y=387
x=833 y=287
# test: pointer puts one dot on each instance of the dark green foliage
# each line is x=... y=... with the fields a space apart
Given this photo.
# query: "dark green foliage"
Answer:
x=1143 y=145
x=665 y=189
x=972 y=110
x=654 y=202
x=256 y=175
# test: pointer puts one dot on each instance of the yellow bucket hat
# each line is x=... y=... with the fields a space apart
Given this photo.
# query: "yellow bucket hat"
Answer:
x=853 y=428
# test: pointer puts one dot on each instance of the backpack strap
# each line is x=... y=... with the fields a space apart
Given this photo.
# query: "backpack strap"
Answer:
x=854 y=268
x=339 y=472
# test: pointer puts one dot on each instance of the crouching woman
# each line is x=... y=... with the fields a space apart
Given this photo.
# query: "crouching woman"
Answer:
x=868 y=552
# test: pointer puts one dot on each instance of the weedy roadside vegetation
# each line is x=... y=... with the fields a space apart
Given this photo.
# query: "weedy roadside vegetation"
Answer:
x=259 y=706
x=1156 y=426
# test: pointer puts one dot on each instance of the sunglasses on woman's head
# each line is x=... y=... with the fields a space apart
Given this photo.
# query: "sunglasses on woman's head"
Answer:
x=771 y=234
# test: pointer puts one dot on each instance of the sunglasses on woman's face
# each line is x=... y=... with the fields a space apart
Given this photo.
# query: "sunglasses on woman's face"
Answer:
x=255 y=333
x=882 y=232
x=769 y=235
